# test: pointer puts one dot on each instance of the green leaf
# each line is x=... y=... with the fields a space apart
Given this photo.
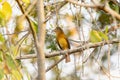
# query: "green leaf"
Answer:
x=117 y=8
x=2 y=21
x=94 y=36
x=1 y=56
x=52 y=46
x=1 y=74
x=2 y=40
x=10 y=62
x=104 y=36
x=106 y=30
x=51 y=26
x=104 y=18
x=114 y=6
x=35 y=26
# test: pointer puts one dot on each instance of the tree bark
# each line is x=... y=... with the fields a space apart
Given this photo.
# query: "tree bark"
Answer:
x=41 y=40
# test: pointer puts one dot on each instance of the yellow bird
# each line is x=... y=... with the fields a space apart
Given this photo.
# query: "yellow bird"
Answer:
x=62 y=41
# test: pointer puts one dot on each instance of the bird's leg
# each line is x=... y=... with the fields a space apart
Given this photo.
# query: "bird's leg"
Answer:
x=67 y=58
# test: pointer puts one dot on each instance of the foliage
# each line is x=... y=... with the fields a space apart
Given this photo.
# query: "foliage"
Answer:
x=97 y=36
x=16 y=38
x=6 y=12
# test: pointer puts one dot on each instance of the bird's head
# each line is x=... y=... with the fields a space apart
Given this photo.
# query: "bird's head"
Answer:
x=58 y=30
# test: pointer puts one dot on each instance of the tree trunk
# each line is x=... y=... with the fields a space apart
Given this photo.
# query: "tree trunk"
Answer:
x=41 y=40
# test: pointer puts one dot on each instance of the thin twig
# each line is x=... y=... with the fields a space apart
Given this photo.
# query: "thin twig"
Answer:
x=49 y=68
x=103 y=7
x=14 y=33
x=104 y=69
x=53 y=12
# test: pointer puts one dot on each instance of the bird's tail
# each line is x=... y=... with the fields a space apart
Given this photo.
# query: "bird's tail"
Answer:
x=67 y=59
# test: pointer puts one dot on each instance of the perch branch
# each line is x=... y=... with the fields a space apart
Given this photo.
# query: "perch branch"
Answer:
x=72 y=51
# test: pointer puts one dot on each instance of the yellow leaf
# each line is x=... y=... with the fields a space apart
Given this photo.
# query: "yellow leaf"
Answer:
x=19 y=23
x=14 y=38
x=15 y=50
x=72 y=31
x=16 y=75
x=1 y=74
x=6 y=69
x=6 y=10
x=95 y=37
x=2 y=21
x=103 y=35
x=26 y=1
x=26 y=48
x=69 y=17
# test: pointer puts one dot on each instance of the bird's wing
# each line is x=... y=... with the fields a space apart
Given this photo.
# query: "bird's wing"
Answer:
x=59 y=44
x=68 y=43
x=63 y=43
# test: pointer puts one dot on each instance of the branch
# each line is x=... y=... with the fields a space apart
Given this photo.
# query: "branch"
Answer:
x=53 y=12
x=105 y=8
x=26 y=16
x=112 y=12
x=30 y=7
x=84 y=5
x=41 y=40
x=113 y=28
x=57 y=62
x=72 y=51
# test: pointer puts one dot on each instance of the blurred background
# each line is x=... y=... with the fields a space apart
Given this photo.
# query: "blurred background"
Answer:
x=82 y=25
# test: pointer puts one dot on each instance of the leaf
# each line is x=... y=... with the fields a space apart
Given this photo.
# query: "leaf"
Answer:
x=114 y=6
x=6 y=69
x=94 y=36
x=2 y=40
x=19 y=23
x=2 y=21
x=16 y=75
x=26 y=1
x=72 y=31
x=14 y=38
x=104 y=18
x=26 y=48
x=6 y=10
x=10 y=61
x=106 y=30
x=1 y=56
x=1 y=74
x=15 y=49
x=104 y=36
x=35 y=26
x=52 y=46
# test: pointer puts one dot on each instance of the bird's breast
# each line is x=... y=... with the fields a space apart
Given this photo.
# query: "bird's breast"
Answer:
x=63 y=42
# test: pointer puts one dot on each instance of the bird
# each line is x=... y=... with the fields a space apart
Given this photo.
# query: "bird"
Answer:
x=62 y=41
